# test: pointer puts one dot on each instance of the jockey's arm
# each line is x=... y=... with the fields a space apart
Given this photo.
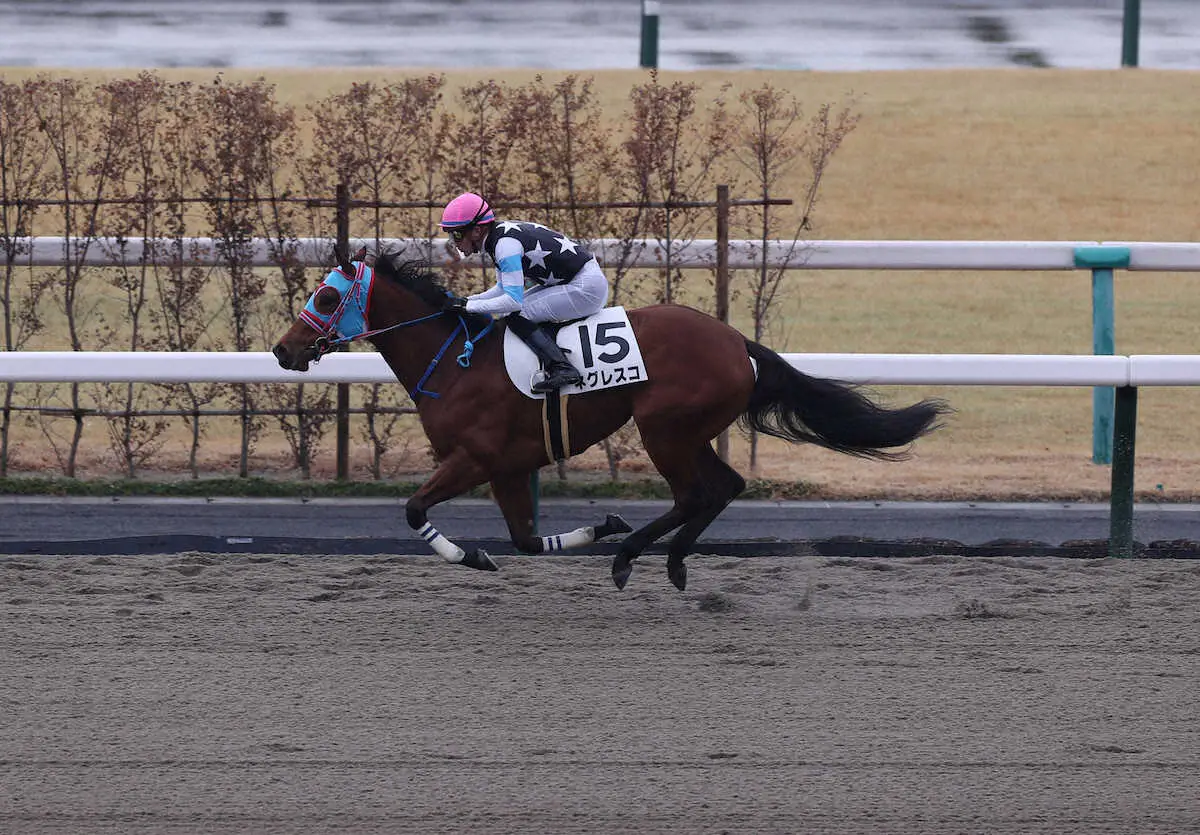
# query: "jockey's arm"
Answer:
x=509 y=293
x=492 y=292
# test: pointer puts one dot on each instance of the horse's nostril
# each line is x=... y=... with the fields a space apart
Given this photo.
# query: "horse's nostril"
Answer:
x=280 y=354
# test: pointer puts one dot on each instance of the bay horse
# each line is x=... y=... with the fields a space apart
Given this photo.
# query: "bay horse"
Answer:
x=701 y=376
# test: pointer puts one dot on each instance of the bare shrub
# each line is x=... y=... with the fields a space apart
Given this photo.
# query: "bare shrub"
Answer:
x=246 y=141
x=25 y=179
x=137 y=107
x=671 y=153
x=771 y=141
x=88 y=142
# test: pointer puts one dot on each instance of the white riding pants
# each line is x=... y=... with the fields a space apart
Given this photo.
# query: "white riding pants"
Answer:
x=582 y=296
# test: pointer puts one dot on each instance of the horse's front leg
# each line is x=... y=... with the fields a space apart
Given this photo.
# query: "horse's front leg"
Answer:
x=455 y=476
x=514 y=496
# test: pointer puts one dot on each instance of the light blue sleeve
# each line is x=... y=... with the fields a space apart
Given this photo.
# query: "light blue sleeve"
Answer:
x=509 y=293
x=508 y=265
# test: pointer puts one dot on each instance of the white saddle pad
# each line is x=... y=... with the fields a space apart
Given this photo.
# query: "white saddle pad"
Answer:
x=601 y=346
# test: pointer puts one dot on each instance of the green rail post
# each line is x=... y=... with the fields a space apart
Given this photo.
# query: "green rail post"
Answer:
x=1129 y=33
x=1120 y=537
x=1102 y=260
x=650 y=34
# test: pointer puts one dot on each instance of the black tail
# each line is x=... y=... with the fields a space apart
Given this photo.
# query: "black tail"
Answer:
x=791 y=405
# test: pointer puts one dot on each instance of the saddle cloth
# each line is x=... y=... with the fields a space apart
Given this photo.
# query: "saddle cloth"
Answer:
x=602 y=346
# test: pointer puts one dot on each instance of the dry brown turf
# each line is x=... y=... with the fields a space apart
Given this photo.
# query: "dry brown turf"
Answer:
x=283 y=694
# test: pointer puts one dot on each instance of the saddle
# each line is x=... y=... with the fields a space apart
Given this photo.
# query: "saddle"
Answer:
x=604 y=350
x=602 y=346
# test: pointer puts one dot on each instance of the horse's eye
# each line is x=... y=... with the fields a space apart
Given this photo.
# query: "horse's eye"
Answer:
x=326 y=300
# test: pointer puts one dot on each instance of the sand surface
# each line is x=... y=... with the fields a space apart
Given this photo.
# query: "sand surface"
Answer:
x=282 y=694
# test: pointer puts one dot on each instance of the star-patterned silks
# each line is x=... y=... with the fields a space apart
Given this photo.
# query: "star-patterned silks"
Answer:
x=537 y=255
x=548 y=256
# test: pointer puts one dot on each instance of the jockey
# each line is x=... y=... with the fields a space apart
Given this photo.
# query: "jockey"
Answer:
x=564 y=281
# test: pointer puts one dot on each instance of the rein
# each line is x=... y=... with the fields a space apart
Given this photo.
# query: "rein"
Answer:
x=463 y=359
x=324 y=344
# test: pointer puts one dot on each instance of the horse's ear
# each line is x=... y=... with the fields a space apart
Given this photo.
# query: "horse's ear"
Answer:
x=382 y=261
x=326 y=300
x=343 y=262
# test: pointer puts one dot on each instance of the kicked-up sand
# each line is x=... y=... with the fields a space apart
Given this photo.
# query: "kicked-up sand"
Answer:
x=283 y=694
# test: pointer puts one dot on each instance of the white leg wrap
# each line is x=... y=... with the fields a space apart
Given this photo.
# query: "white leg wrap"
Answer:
x=574 y=539
x=446 y=549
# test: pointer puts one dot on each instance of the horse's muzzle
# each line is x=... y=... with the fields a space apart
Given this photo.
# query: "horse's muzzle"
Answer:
x=289 y=363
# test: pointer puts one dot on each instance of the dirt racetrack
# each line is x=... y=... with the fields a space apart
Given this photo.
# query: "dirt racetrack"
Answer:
x=280 y=694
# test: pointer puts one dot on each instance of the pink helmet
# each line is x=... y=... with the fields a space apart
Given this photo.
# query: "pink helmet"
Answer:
x=465 y=211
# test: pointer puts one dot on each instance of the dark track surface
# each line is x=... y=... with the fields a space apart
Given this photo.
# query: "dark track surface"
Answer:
x=376 y=695
x=48 y=525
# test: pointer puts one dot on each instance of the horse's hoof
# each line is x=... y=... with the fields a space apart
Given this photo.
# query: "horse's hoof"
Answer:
x=621 y=571
x=478 y=558
x=620 y=578
x=613 y=525
x=678 y=576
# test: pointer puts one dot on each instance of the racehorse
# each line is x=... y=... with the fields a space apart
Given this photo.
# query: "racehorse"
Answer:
x=701 y=376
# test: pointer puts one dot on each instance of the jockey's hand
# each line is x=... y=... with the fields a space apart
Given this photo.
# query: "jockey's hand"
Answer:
x=454 y=304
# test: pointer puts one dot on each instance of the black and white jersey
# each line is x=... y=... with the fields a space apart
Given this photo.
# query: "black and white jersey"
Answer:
x=548 y=257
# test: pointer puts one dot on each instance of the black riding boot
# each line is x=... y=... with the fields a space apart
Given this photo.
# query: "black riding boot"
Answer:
x=559 y=372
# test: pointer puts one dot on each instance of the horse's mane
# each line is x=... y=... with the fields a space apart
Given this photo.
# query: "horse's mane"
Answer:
x=419 y=278
x=413 y=275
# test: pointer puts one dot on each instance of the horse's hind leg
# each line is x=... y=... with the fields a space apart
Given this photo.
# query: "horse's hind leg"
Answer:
x=514 y=495
x=636 y=542
x=717 y=485
x=678 y=467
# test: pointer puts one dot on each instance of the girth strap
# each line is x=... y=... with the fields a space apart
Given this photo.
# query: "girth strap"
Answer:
x=555 y=432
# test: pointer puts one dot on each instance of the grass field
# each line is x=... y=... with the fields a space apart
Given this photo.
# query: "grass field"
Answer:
x=971 y=155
